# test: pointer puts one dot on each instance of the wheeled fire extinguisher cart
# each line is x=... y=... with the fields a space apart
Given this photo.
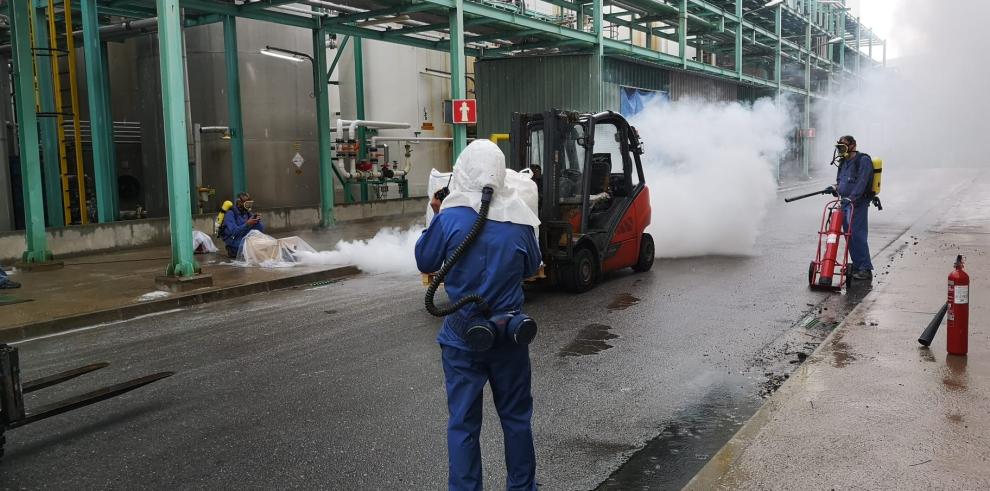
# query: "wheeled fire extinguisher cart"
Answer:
x=830 y=269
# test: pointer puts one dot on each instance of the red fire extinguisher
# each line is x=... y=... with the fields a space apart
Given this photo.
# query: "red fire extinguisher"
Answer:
x=831 y=246
x=957 y=327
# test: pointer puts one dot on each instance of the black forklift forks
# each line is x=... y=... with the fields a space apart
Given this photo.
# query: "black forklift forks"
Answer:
x=12 y=412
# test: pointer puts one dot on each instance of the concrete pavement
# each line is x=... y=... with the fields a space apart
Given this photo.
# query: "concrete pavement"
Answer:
x=112 y=287
x=871 y=408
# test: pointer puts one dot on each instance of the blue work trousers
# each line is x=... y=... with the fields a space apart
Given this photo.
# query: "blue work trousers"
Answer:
x=507 y=369
x=859 y=247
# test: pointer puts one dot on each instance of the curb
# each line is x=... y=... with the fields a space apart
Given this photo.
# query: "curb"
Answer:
x=127 y=312
x=710 y=476
x=720 y=463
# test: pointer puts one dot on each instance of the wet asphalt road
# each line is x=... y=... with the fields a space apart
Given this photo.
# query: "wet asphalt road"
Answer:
x=339 y=386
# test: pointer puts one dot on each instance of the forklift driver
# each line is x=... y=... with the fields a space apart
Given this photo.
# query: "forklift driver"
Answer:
x=601 y=176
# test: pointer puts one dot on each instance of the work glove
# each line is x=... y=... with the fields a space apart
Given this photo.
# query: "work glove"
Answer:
x=831 y=190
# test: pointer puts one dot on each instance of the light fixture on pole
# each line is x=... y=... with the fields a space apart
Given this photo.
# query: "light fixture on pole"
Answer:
x=285 y=54
x=293 y=56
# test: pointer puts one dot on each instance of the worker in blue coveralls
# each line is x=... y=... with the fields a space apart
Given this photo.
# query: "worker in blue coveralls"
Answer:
x=494 y=267
x=853 y=185
x=238 y=221
x=6 y=282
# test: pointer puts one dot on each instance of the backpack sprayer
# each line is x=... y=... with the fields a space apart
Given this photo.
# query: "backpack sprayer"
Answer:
x=480 y=335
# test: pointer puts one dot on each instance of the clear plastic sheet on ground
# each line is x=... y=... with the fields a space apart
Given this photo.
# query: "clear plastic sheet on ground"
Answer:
x=203 y=243
x=259 y=249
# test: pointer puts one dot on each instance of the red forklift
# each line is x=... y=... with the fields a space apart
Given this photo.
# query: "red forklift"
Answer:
x=594 y=204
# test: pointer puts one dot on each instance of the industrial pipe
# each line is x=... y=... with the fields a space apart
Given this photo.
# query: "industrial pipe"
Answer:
x=412 y=139
x=150 y=25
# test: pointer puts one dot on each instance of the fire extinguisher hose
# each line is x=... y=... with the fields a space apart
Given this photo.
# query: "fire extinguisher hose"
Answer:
x=431 y=307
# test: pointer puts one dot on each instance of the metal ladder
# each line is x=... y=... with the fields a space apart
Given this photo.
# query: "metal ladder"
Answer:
x=56 y=52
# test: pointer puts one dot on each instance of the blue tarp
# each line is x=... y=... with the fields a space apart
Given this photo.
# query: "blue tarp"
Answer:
x=633 y=100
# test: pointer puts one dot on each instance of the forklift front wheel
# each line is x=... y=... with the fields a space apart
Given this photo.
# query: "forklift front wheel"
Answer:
x=647 y=253
x=579 y=276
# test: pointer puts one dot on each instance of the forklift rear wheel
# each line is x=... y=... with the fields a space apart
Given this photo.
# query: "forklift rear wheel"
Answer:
x=579 y=276
x=647 y=254
x=811 y=273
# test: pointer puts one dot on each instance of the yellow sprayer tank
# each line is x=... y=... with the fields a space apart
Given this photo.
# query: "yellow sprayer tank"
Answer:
x=219 y=221
x=877 y=173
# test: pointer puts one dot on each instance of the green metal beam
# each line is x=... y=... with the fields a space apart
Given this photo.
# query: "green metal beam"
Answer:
x=598 y=57
x=34 y=207
x=501 y=35
x=100 y=123
x=234 y=120
x=805 y=139
x=337 y=55
x=376 y=14
x=457 y=73
x=359 y=96
x=176 y=149
x=555 y=43
x=777 y=53
x=55 y=192
x=739 y=38
x=111 y=146
x=682 y=27
x=258 y=6
x=322 y=89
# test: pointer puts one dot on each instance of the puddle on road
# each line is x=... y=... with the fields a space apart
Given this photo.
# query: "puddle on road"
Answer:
x=671 y=459
x=684 y=446
x=622 y=302
x=589 y=341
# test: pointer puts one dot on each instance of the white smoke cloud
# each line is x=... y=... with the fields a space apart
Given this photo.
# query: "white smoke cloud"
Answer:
x=928 y=108
x=710 y=168
x=389 y=251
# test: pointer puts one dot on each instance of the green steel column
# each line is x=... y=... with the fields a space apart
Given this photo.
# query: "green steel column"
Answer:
x=104 y=174
x=739 y=38
x=359 y=95
x=842 y=45
x=806 y=141
x=322 y=93
x=27 y=119
x=111 y=145
x=176 y=149
x=869 y=50
x=859 y=50
x=336 y=57
x=776 y=57
x=457 y=72
x=234 y=105
x=51 y=168
x=599 y=57
x=682 y=33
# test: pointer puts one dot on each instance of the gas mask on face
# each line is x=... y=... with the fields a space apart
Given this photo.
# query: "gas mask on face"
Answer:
x=842 y=149
x=247 y=205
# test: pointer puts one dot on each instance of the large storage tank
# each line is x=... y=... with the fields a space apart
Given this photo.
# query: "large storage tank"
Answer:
x=278 y=110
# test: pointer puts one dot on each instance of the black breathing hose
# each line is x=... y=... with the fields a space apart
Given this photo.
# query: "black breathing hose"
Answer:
x=486 y=200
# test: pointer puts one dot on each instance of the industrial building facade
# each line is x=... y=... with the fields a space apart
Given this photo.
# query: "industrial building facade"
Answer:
x=133 y=109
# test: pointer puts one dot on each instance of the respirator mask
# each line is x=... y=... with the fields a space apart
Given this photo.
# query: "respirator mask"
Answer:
x=841 y=153
x=514 y=327
x=248 y=205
